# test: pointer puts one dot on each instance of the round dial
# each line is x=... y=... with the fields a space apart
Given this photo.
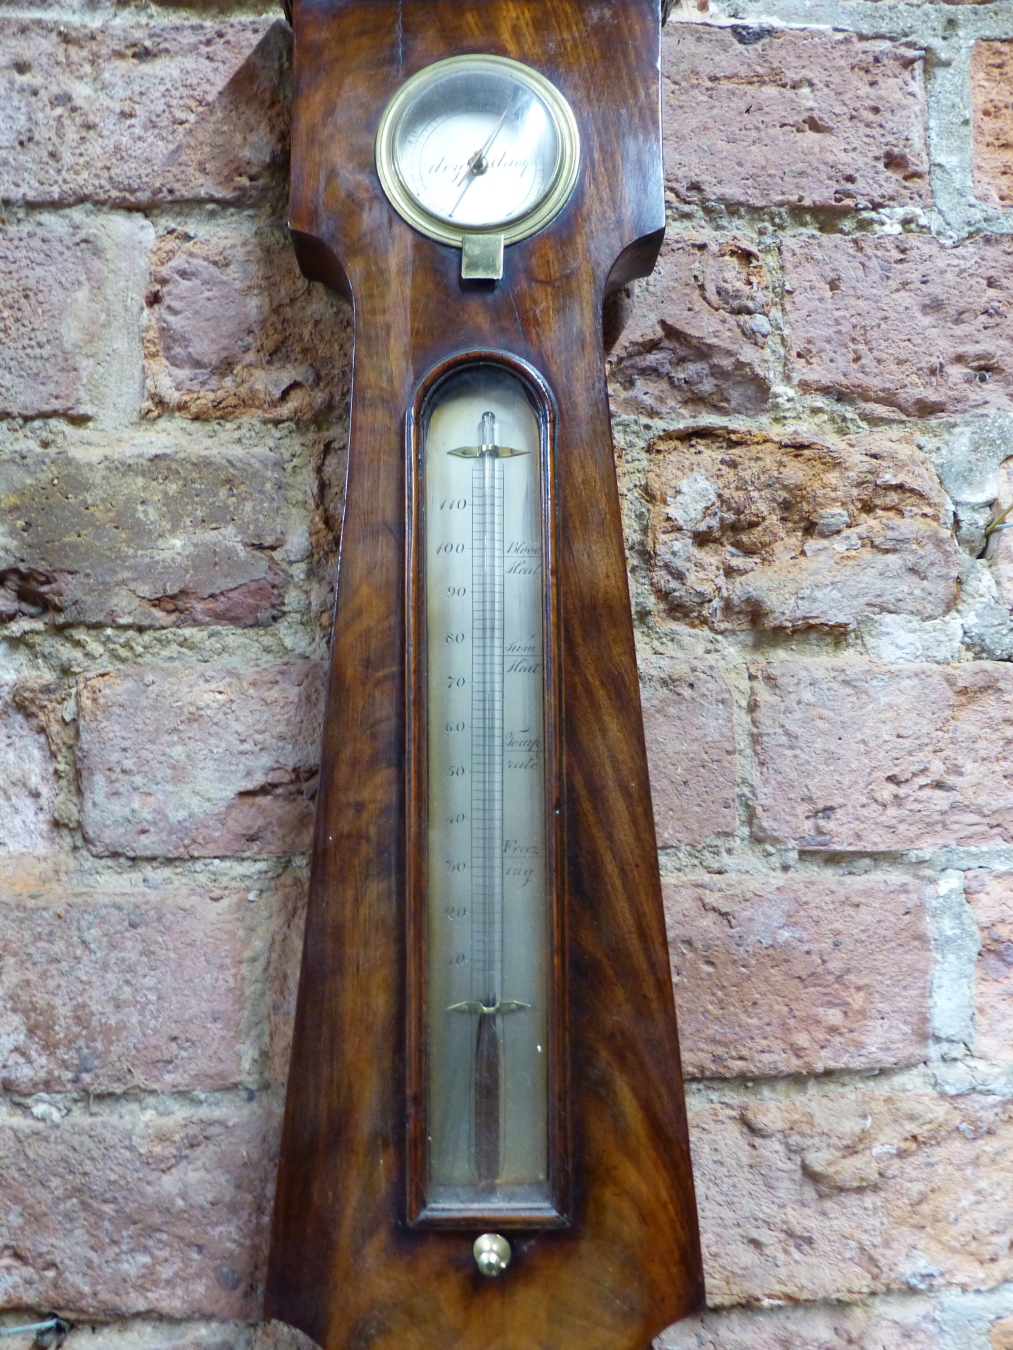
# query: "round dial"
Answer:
x=478 y=144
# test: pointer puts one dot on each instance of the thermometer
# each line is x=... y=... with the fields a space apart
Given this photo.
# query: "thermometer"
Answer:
x=487 y=920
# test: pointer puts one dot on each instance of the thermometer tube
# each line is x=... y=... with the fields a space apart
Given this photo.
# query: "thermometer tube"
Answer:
x=487 y=883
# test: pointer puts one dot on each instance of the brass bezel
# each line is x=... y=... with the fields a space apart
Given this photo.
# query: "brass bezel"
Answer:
x=436 y=227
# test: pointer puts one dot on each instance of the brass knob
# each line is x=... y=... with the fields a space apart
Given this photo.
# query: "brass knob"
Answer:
x=492 y=1254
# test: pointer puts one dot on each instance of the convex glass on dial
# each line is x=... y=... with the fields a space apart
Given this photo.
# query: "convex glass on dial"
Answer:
x=478 y=144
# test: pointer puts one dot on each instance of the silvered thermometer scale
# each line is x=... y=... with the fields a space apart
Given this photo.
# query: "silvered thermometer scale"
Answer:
x=487 y=881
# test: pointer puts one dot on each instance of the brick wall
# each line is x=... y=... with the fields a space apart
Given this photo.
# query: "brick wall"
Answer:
x=813 y=405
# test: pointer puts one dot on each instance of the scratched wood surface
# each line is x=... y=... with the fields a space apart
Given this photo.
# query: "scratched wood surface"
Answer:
x=344 y=1266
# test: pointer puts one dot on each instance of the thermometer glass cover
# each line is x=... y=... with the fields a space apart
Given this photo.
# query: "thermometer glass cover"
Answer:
x=484 y=806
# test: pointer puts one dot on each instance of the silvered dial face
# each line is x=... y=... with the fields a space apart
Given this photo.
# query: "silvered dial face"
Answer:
x=478 y=148
x=478 y=143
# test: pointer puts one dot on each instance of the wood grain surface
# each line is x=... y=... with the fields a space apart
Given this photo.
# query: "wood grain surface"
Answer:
x=345 y=1267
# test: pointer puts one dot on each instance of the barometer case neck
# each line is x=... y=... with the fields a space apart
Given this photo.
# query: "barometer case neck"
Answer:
x=346 y=1266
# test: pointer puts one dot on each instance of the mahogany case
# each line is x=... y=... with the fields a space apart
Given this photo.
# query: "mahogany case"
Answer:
x=347 y=1265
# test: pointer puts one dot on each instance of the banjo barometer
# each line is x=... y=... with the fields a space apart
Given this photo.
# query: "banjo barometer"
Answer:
x=485 y=1142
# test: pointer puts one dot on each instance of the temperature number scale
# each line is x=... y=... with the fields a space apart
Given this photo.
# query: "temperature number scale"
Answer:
x=487 y=880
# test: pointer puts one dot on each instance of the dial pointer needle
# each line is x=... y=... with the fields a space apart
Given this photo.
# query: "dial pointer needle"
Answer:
x=476 y=159
x=471 y=169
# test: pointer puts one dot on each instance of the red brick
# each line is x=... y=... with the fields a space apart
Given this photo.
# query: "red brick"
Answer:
x=28 y=784
x=751 y=532
x=697 y=332
x=200 y=762
x=328 y=468
x=136 y=990
x=992 y=121
x=55 y=280
x=791 y=975
x=769 y=117
x=688 y=722
x=161 y=1215
x=157 y=541
x=285 y=959
x=991 y=898
x=911 y=1327
x=841 y=1194
x=902 y=325
x=852 y=755
x=234 y=328
x=139 y=113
